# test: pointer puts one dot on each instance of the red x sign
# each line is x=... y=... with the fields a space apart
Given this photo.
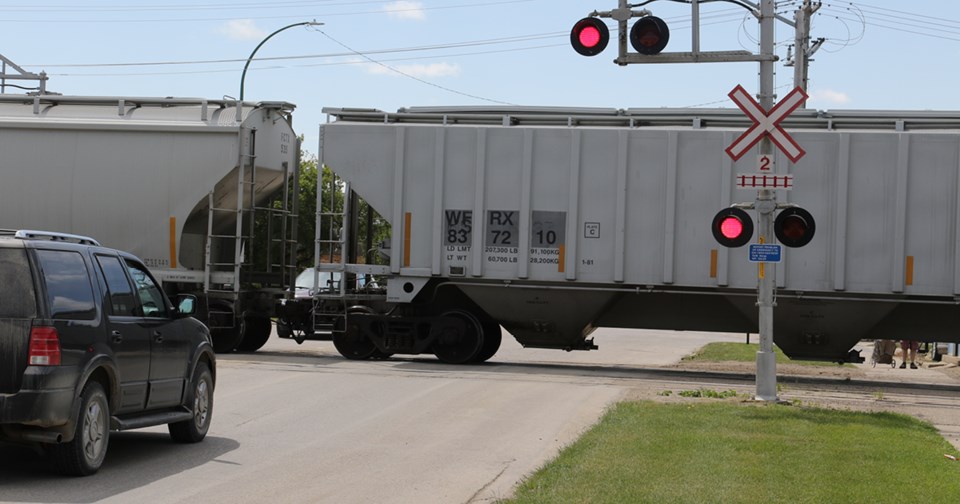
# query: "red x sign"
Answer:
x=766 y=123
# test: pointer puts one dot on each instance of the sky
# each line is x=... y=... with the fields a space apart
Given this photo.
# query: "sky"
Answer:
x=878 y=54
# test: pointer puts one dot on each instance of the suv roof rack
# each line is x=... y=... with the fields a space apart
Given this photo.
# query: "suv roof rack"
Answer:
x=29 y=234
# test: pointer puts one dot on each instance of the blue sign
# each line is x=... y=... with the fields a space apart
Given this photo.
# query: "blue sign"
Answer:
x=762 y=252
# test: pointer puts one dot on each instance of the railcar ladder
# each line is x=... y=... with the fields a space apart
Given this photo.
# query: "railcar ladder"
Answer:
x=246 y=182
x=281 y=228
x=264 y=250
x=331 y=253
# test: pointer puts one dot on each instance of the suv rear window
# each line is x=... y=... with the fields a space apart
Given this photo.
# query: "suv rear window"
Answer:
x=17 y=297
x=69 y=293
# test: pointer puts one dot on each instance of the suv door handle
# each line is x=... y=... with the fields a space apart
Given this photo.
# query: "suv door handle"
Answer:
x=116 y=337
x=157 y=337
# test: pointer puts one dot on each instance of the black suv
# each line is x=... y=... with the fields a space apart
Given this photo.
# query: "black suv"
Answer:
x=89 y=343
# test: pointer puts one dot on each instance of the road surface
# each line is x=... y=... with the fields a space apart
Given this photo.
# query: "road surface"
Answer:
x=301 y=424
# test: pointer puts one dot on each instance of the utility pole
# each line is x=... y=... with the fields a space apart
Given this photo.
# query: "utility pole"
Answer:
x=802 y=48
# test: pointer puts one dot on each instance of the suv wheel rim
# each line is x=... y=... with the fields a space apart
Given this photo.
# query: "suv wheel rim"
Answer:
x=201 y=404
x=94 y=431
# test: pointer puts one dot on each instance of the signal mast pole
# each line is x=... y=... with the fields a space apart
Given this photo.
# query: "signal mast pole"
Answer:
x=766 y=203
x=765 y=206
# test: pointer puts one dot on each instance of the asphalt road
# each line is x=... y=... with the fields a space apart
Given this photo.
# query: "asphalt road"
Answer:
x=301 y=424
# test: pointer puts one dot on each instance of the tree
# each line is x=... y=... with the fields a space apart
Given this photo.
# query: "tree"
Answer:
x=304 y=189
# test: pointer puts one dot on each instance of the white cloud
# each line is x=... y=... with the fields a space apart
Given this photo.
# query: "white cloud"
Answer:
x=242 y=29
x=421 y=71
x=405 y=9
x=830 y=96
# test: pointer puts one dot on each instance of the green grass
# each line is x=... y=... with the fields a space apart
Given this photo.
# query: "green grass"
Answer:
x=744 y=352
x=729 y=452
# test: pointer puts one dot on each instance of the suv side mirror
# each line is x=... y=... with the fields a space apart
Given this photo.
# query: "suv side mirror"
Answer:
x=186 y=304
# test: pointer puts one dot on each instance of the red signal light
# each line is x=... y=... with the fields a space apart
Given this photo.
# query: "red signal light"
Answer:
x=649 y=35
x=732 y=227
x=794 y=227
x=589 y=36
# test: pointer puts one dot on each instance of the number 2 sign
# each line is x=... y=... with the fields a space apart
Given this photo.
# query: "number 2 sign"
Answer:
x=765 y=163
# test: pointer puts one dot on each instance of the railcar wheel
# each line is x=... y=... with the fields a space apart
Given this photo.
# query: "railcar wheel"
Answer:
x=460 y=346
x=225 y=339
x=492 y=337
x=353 y=344
x=254 y=333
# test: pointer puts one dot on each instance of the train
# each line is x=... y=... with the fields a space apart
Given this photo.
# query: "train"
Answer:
x=548 y=222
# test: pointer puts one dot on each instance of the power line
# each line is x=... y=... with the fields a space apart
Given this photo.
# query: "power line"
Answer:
x=310 y=65
x=336 y=14
x=392 y=69
x=939 y=19
x=906 y=22
x=450 y=45
x=914 y=23
x=183 y=7
x=900 y=26
x=718 y=18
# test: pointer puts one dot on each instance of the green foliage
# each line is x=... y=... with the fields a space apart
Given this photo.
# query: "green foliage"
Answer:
x=305 y=190
x=744 y=352
x=332 y=201
x=306 y=210
x=734 y=452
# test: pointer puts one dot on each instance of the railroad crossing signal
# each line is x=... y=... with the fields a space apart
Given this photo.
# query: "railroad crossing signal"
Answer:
x=730 y=228
x=649 y=36
x=733 y=227
x=767 y=123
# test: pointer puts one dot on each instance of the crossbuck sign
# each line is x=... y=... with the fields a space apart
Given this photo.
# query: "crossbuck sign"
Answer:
x=767 y=123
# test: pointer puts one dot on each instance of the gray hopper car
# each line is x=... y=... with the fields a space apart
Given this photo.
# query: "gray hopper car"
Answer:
x=176 y=181
x=552 y=222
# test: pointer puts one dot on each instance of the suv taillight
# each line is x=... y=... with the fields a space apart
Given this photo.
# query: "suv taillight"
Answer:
x=44 y=347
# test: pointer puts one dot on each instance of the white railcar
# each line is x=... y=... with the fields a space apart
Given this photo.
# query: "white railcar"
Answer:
x=175 y=181
x=551 y=222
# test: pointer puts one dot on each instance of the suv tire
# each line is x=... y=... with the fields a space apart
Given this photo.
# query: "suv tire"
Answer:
x=84 y=455
x=201 y=398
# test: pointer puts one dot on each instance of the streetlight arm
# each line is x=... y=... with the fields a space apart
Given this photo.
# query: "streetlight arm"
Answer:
x=243 y=77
